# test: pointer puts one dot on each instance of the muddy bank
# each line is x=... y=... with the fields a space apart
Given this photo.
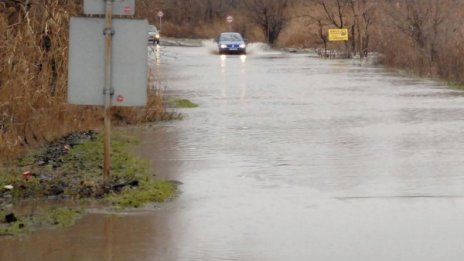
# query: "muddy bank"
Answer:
x=70 y=169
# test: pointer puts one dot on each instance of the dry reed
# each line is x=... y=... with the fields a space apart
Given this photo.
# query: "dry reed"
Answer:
x=33 y=78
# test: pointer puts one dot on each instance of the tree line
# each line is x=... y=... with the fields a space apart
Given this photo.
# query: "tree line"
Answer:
x=423 y=36
x=34 y=39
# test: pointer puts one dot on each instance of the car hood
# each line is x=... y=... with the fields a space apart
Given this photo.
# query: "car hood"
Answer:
x=231 y=42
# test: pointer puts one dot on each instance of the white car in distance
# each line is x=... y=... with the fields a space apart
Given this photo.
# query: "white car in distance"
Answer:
x=153 y=35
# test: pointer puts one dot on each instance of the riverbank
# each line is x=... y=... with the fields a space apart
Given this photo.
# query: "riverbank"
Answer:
x=68 y=171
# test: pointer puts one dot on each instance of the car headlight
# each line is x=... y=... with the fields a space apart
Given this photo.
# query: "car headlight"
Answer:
x=223 y=46
x=242 y=46
x=157 y=36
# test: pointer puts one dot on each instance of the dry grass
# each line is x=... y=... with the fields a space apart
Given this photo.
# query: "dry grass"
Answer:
x=298 y=34
x=33 y=78
x=202 y=30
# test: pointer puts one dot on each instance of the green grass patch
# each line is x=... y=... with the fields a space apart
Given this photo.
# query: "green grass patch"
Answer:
x=181 y=103
x=45 y=217
x=21 y=188
x=149 y=191
x=63 y=217
x=80 y=173
x=6 y=178
x=87 y=159
x=12 y=229
x=76 y=173
x=456 y=86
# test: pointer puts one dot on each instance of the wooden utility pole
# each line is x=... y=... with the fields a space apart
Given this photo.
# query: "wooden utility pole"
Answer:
x=108 y=90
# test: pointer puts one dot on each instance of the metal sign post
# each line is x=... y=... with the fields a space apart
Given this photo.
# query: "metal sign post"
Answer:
x=107 y=69
x=229 y=20
x=160 y=15
x=108 y=90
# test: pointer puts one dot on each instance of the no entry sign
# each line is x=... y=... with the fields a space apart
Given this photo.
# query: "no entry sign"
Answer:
x=229 y=19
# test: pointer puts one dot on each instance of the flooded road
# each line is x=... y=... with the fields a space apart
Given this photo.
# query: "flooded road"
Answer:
x=288 y=157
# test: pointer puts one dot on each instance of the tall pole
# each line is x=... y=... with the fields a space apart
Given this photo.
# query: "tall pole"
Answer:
x=160 y=15
x=358 y=29
x=108 y=91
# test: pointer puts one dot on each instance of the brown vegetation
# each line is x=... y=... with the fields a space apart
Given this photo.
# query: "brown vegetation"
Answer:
x=424 y=36
x=33 y=77
x=421 y=36
x=270 y=16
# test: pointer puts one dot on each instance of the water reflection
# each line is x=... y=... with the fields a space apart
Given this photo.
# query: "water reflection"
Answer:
x=108 y=235
x=158 y=55
x=223 y=58
x=233 y=75
x=243 y=58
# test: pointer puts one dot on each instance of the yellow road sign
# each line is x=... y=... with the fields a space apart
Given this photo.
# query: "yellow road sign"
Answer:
x=338 y=34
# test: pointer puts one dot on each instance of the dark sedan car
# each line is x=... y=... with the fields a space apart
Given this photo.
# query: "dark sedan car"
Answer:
x=231 y=43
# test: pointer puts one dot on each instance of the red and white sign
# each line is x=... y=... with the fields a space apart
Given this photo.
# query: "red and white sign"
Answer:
x=128 y=10
x=229 y=19
x=119 y=98
x=160 y=14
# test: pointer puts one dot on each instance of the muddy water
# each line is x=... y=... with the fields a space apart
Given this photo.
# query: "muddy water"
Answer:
x=288 y=157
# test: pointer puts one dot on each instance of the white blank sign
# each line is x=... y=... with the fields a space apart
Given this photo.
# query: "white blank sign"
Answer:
x=120 y=7
x=86 y=74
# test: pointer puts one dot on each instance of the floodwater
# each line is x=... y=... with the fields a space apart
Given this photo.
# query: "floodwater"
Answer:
x=288 y=157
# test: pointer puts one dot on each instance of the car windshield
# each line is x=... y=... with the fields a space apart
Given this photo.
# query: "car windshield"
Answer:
x=231 y=37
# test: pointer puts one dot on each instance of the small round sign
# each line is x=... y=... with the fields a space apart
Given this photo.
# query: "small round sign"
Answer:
x=127 y=10
x=119 y=98
x=160 y=14
x=229 y=19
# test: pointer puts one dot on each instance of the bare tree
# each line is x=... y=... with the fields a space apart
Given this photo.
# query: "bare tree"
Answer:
x=214 y=9
x=339 y=14
x=369 y=15
x=148 y=9
x=364 y=12
x=335 y=11
x=317 y=24
x=185 y=14
x=323 y=35
x=270 y=15
x=424 y=22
